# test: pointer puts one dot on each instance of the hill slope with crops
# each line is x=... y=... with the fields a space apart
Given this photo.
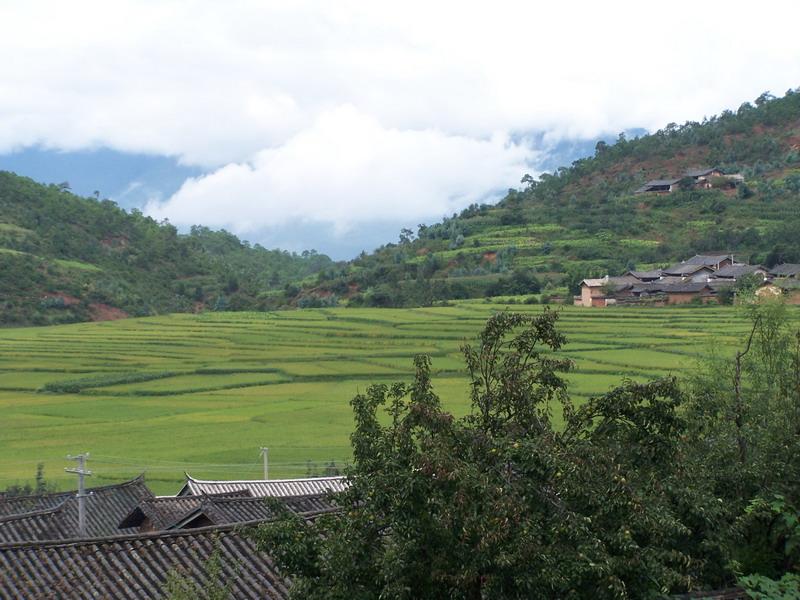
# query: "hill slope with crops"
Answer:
x=587 y=220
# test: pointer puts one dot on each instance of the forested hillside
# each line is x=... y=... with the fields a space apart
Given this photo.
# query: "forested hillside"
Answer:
x=585 y=220
x=64 y=258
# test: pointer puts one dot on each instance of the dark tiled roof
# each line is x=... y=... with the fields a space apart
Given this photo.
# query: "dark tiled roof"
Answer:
x=262 y=488
x=656 y=183
x=221 y=509
x=313 y=503
x=690 y=287
x=709 y=260
x=161 y=512
x=734 y=271
x=136 y=567
x=785 y=270
x=13 y=505
x=105 y=508
x=685 y=268
x=645 y=275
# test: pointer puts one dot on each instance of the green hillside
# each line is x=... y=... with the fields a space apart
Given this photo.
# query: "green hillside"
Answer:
x=585 y=220
x=64 y=258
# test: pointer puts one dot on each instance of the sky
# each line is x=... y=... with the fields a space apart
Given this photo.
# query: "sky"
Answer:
x=331 y=125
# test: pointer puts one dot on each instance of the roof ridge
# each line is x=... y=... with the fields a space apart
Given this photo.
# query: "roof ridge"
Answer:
x=36 y=513
x=229 y=528
x=265 y=481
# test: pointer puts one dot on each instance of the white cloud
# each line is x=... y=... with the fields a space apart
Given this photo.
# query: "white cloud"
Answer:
x=346 y=169
x=263 y=93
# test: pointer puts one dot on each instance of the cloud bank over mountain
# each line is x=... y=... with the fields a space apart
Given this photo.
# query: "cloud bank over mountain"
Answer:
x=344 y=113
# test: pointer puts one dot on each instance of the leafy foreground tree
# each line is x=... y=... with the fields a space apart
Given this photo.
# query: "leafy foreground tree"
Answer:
x=525 y=497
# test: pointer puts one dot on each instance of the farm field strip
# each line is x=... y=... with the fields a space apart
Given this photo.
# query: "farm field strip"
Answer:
x=201 y=393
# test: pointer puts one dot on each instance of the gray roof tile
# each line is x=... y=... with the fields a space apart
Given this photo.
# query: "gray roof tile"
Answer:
x=105 y=508
x=136 y=567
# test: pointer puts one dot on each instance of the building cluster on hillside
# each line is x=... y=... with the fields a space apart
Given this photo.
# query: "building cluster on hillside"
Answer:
x=132 y=542
x=697 y=179
x=702 y=278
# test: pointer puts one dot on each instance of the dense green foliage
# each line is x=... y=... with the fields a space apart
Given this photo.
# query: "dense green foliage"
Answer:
x=584 y=220
x=65 y=258
x=648 y=490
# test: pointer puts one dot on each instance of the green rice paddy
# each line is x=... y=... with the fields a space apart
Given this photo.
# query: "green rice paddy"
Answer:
x=201 y=393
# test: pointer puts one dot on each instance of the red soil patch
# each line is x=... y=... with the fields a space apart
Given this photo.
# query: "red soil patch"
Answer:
x=104 y=312
x=423 y=251
x=490 y=256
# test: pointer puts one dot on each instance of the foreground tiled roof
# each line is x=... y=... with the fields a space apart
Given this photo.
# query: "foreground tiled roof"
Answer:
x=161 y=512
x=262 y=488
x=136 y=567
x=178 y=512
x=213 y=510
x=13 y=505
x=105 y=508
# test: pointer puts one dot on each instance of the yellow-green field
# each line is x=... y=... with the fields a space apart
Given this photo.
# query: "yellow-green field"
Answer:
x=201 y=393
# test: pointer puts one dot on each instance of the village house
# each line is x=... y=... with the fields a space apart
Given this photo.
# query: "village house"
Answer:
x=735 y=272
x=700 y=278
x=689 y=272
x=601 y=292
x=659 y=186
x=786 y=270
x=714 y=261
x=706 y=178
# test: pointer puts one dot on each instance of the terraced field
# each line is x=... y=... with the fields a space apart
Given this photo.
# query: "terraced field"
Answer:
x=201 y=393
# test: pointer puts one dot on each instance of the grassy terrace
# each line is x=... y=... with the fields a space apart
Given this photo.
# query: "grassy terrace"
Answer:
x=201 y=393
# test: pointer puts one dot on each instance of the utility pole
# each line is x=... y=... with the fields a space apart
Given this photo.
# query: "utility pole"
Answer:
x=265 y=454
x=81 y=472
